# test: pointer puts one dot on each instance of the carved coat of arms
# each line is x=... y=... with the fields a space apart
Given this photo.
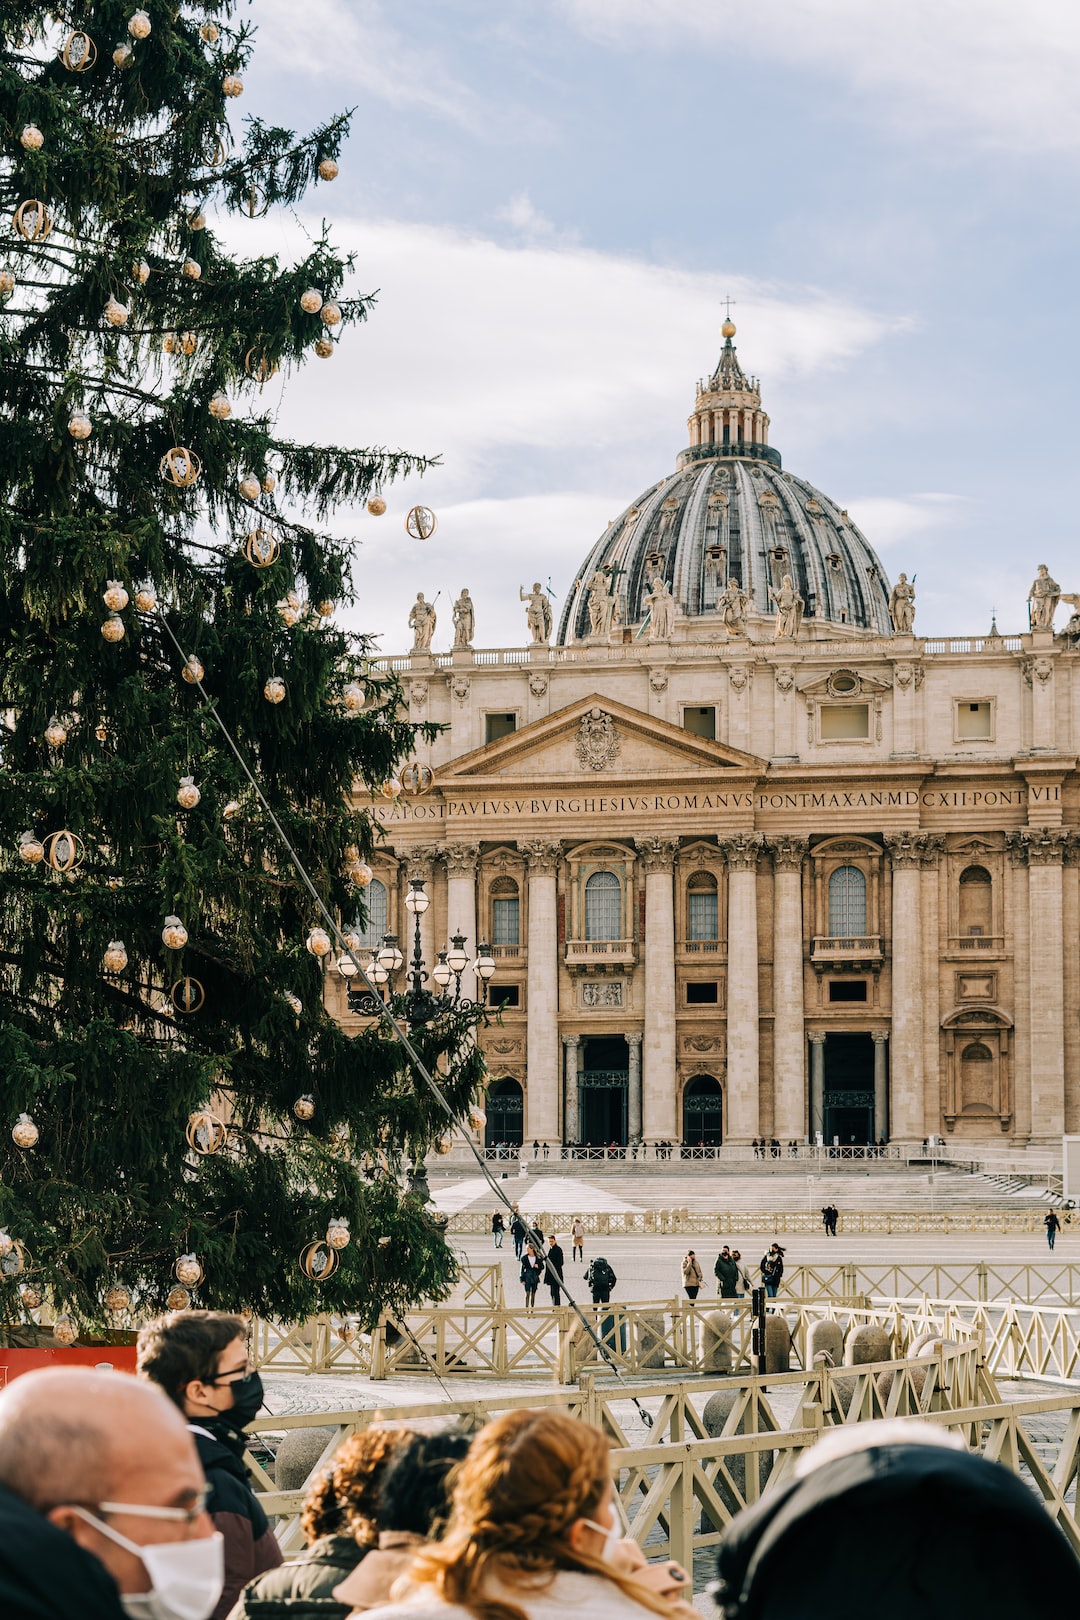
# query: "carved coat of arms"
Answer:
x=598 y=742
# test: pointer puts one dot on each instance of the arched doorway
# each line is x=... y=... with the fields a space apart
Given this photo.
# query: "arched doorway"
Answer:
x=703 y=1112
x=505 y=1110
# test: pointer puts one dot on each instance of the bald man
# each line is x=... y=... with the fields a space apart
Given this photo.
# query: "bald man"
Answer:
x=101 y=1503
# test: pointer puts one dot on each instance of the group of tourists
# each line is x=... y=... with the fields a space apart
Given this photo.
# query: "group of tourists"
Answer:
x=732 y=1277
x=829 y=1217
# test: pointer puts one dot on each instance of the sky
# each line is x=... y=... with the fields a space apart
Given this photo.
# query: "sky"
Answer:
x=553 y=199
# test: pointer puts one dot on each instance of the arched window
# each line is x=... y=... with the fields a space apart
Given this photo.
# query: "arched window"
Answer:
x=505 y=912
x=977 y=1079
x=976 y=901
x=703 y=1112
x=603 y=906
x=375 y=906
x=702 y=918
x=847 y=902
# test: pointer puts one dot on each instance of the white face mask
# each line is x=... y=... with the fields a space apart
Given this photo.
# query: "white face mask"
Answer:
x=186 y=1577
x=611 y=1532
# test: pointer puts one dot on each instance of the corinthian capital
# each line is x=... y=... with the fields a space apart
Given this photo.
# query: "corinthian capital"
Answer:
x=1042 y=846
x=742 y=850
x=542 y=854
x=908 y=849
x=657 y=854
x=419 y=861
x=787 y=852
x=460 y=859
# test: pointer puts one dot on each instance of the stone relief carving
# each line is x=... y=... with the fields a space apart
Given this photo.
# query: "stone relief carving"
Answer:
x=1038 y=846
x=788 y=852
x=597 y=994
x=739 y=676
x=742 y=850
x=460 y=859
x=598 y=741
x=503 y=1046
x=785 y=680
x=658 y=680
x=1037 y=669
x=418 y=694
x=657 y=854
x=914 y=848
x=538 y=683
x=460 y=686
x=701 y=1043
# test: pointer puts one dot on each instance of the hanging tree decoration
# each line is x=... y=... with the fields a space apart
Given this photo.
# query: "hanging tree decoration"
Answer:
x=274 y=690
x=65 y=1330
x=318 y=1261
x=116 y=596
x=289 y=610
x=64 y=851
x=208 y=32
x=311 y=301
x=188 y=1271
x=256 y=202
x=328 y=169
x=117 y=1299
x=233 y=84
x=330 y=314
x=261 y=548
x=56 y=733
x=174 y=936
x=30 y=1297
x=31 y=849
x=181 y=467
x=115 y=959
x=31 y=138
x=140 y=272
x=187 y=995
x=146 y=599
x=192 y=671
x=187 y=794
x=376 y=506
x=116 y=313
x=318 y=942
x=192 y=269
x=258 y=364
x=32 y=220
x=354 y=696
x=206 y=1134
x=139 y=25
x=78 y=52
x=123 y=55
x=421 y=523
x=24 y=1133
x=113 y=628
x=324 y=348
x=7 y=283
x=220 y=406
x=304 y=1107
x=337 y=1232
x=249 y=487
x=79 y=425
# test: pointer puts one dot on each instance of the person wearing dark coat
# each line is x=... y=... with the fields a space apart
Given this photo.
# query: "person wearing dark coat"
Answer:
x=726 y=1272
x=772 y=1269
x=518 y=1230
x=601 y=1280
x=901 y=1530
x=555 y=1264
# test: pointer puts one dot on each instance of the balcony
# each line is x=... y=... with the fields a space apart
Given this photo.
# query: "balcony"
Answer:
x=507 y=953
x=599 y=955
x=976 y=943
x=849 y=949
x=702 y=950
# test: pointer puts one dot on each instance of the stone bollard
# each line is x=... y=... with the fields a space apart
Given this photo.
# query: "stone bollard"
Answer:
x=663 y=1216
x=827 y=1338
x=297 y=1455
x=866 y=1343
x=650 y=1340
x=718 y=1409
x=717 y=1328
x=603 y=1224
x=777 y=1345
x=648 y=1220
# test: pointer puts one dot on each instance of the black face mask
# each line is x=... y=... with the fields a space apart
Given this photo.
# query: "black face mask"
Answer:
x=247 y=1401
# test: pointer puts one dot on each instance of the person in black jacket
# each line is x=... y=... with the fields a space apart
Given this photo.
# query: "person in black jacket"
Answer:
x=518 y=1230
x=200 y=1359
x=601 y=1280
x=532 y=1269
x=555 y=1264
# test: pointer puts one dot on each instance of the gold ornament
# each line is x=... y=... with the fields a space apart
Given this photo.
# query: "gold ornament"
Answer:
x=205 y=1132
x=232 y=84
x=258 y=364
x=289 y=610
x=269 y=483
x=65 y=1331
x=139 y=25
x=192 y=269
x=187 y=995
x=140 y=272
x=444 y=1144
x=217 y=156
x=174 y=936
x=7 y=283
x=7 y=1243
x=171 y=343
x=30 y=1297
x=188 y=1271
x=256 y=202
x=348 y=1333
x=117 y=1299
x=56 y=734
x=328 y=169
x=360 y=874
x=178 y=1299
x=78 y=52
x=330 y=314
x=311 y=301
x=325 y=609
x=352 y=943
x=188 y=342
x=113 y=628
x=146 y=599
x=385 y=1242
x=274 y=690
x=376 y=506
x=416 y=779
x=318 y=942
x=193 y=671
x=249 y=487
x=32 y=220
x=231 y=809
x=32 y=138
x=337 y=1233
x=294 y=1002
x=421 y=523
x=116 y=313
x=31 y=849
x=391 y=788
x=208 y=31
x=318 y=1261
x=116 y=597
x=187 y=794
x=477 y=1117
x=304 y=1107
x=24 y=1133
x=181 y=467
x=354 y=696
x=64 y=851
x=115 y=959
x=80 y=425
x=123 y=55
x=197 y=221
x=261 y=548
x=14 y=1258
x=220 y=406
x=324 y=348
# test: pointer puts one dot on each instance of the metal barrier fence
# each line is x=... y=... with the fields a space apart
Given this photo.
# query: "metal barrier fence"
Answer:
x=763 y=1223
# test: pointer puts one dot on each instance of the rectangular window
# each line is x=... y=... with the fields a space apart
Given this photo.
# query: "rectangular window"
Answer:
x=974 y=721
x=499 y=725
x=700 y=720
x=845 y=722
x=703 y=994
x=505 y=921
x=504 y=995
x=847 y=989
x=702 y=916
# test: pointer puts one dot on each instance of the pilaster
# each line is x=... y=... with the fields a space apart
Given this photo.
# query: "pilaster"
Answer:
x=817 y=1084
x=658 y=1110
x=1045 y=848
x=634 y=1100
x=789 y=1043
x=742 y=852
x=907 y=851
x=542 y=993
x=571 y=1050
x=881 y=1086
x=461 y=861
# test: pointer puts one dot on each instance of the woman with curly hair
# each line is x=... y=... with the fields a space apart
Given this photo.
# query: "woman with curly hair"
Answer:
x=534 y=1534
x=338 y=1520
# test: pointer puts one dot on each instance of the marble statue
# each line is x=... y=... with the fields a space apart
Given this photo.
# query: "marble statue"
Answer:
x=661 y=605
x=902 y=606
x=733 y=602
x=1072 y=629
x=789 y=610
x=1043 y=598
x=464 y=620
x=422 y=621
x=538 y=613
x=602 y=605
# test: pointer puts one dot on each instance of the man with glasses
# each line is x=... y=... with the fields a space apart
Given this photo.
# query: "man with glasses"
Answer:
x=200 y=1359
x=102 y=1503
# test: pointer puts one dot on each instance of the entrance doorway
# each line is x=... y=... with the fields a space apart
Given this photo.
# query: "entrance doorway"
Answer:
x=703 y=1112
x=505 y=1111
x=849 y=1089
x=603 y=1091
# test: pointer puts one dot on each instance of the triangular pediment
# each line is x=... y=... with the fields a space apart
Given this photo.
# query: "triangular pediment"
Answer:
x=596 y=739
x=844 y=684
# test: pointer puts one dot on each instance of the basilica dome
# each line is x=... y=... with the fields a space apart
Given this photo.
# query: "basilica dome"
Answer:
x=731 y=513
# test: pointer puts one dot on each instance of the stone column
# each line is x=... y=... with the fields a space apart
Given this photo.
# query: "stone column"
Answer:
x=789 y=1042
x=742 y=851
x=907 y=851
x=633 y=1101
x=657 y=1117
x=1046 y=980
x=461 y=862
x=1017 y=908
x=542 y=990
x=817 y=1084
x=881 y=1086
x=571 y=1047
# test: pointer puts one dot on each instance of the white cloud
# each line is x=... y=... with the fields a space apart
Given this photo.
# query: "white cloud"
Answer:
x=890 y=520
x=1002 y=72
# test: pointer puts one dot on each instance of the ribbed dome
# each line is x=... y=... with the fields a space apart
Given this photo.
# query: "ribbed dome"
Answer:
x=730 y=511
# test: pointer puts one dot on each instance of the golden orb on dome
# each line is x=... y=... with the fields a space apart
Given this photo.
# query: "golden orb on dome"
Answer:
x=728 y=328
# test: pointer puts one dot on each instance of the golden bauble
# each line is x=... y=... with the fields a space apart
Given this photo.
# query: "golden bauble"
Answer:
x=24 y=1133
x=444 y=1144
x=188 y=1271
x=250 y=487
x=115 y=959
x=233 y=84
x=116 y=313
x=123 y=55
x=274 y=690
x=140 y=272
x=113 y=628
x=174 y=936
x=65 y=1330
x=220 y=406
x=32 y=220
x=318 y=942
x=324 y=348
x=391 y=788
x=289 y=610
x=115 y=597
x=330 y=314
x=30 y=1297
x=117 y=1298
x=171 y=343
x=32 y=138
x=146 y=599
x=187 y=794
x=328 y=169
x=78 y=52
x=376 y=506
x=325 y=608
x=209 y=32
x=31 y=849
x=197 y=221
x=7 y=283
x=193 y=671
x=181 y=467
x=188 y=342
x=192 y=269
x=56 y=734
x=178 y=1299
x=80 y=425
x=360 y=874
x=139 y=25
x=311 y=301
x=304 y=1107
x=337 y=1233
x=231 y=809
x=354 y=696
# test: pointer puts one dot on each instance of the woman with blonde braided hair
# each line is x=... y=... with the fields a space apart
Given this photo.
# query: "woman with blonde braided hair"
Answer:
x=534 y=1533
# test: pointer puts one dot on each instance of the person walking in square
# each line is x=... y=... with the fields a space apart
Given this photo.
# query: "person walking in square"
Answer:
x=772 y=1269
x=692 y=1275
x=517 y=1232
x=1053 y=1227
x=498 y=1227
x=554 y=1264
x=577 y=1233
x=601 y=1280
x=532 y=1268
x=726 y=1273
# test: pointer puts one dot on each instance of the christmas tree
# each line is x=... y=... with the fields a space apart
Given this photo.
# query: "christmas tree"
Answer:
x=179 y=1115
